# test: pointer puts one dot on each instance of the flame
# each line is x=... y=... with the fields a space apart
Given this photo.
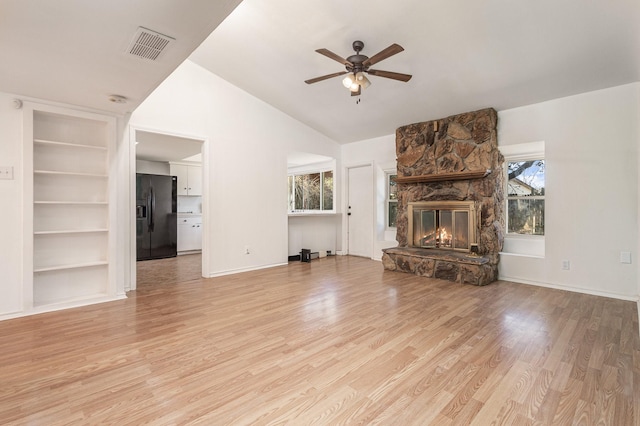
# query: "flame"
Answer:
x=445 y=236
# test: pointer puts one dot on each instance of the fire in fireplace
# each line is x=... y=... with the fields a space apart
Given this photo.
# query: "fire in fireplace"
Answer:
x=449 y=225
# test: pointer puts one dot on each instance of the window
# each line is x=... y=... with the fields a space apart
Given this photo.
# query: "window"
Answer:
x=311 y=191
x=525 y=197
x=392 y=200
x=327 y=190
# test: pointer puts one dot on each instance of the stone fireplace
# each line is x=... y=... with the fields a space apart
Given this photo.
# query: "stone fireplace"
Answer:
x=450 y=217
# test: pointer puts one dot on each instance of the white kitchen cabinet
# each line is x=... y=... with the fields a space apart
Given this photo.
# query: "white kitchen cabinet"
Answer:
x=194 y=178
x=180 y=171
x=67 y=260
x=189 y=234
x=189 y=178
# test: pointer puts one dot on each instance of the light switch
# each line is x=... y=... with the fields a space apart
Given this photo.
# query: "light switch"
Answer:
x=6 y=172
x=625 y=257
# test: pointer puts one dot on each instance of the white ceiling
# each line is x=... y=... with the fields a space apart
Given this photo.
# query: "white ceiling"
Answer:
x=160 y=147
x=464 y=55
x=75 y=51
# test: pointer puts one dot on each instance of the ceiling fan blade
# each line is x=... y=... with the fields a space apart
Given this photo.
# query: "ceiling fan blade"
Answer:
x=331 y=55
x=384 y=54
x=357 y=92
x=324 y=77
x=389 y=74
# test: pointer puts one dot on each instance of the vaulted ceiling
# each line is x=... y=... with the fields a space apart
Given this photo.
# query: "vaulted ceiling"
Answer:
x=462 y=55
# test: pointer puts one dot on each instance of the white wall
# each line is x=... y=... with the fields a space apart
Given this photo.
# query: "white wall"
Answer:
x=381 y=152
x=591 y=151
x=11 y=214
x=245 y=164
x=315 y=232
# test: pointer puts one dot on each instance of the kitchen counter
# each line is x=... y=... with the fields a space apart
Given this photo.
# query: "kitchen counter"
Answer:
x=189 y=214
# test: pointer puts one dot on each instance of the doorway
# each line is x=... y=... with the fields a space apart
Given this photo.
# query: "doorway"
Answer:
x=360 y=211
x=157 y=152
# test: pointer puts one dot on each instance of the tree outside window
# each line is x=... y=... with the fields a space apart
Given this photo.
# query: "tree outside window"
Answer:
x=525 y=197
x=311 y=191
x=392 y=200
x=327 y=190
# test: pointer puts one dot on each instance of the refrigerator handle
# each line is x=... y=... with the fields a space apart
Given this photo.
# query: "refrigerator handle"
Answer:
x=152 y=208
x=149 y=209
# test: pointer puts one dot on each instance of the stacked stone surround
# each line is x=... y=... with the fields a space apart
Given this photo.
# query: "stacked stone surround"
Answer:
x=462 y=143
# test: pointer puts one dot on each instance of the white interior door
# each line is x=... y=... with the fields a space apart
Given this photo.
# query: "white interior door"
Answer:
x=360 y=211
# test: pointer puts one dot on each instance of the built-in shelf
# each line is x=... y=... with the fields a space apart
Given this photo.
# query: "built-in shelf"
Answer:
x=53 y=172
x=71 y=266
x=73 y=202
x=442 y=177
x=72 y=145
x=71 y=206
x=70 y=231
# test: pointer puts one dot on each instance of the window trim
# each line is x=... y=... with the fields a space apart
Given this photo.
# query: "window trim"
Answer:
x=522 y=244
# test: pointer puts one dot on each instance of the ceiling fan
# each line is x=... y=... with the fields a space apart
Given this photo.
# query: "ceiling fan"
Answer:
x=357 y=65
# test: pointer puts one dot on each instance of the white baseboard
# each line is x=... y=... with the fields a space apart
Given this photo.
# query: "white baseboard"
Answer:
x=240 y=270
x=64 y=305
x=573 y=289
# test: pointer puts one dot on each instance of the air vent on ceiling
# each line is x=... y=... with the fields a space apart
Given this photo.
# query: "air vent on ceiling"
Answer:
x=148 y=44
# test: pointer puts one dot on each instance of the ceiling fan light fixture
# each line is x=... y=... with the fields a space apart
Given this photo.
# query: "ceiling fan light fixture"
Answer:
x=348 y=81
x=354 y=87
x=362 y=80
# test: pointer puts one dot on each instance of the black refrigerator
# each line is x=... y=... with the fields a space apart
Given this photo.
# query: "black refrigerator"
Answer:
x=156 y=216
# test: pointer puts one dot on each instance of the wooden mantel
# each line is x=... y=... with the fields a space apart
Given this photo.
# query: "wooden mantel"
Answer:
x=440 y=177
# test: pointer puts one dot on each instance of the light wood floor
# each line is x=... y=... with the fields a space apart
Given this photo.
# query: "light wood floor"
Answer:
x=334 y=341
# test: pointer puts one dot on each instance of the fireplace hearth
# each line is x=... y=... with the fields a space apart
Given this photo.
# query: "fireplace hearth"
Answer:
x=450 y=193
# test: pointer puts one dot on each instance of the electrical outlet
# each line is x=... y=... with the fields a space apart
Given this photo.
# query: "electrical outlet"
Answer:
x=6 y=172
x=566 y=265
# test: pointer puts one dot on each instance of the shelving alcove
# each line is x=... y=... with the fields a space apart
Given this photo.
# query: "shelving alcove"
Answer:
x=69 y=208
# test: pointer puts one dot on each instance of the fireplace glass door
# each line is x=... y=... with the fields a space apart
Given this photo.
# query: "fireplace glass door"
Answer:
x=446 y=229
